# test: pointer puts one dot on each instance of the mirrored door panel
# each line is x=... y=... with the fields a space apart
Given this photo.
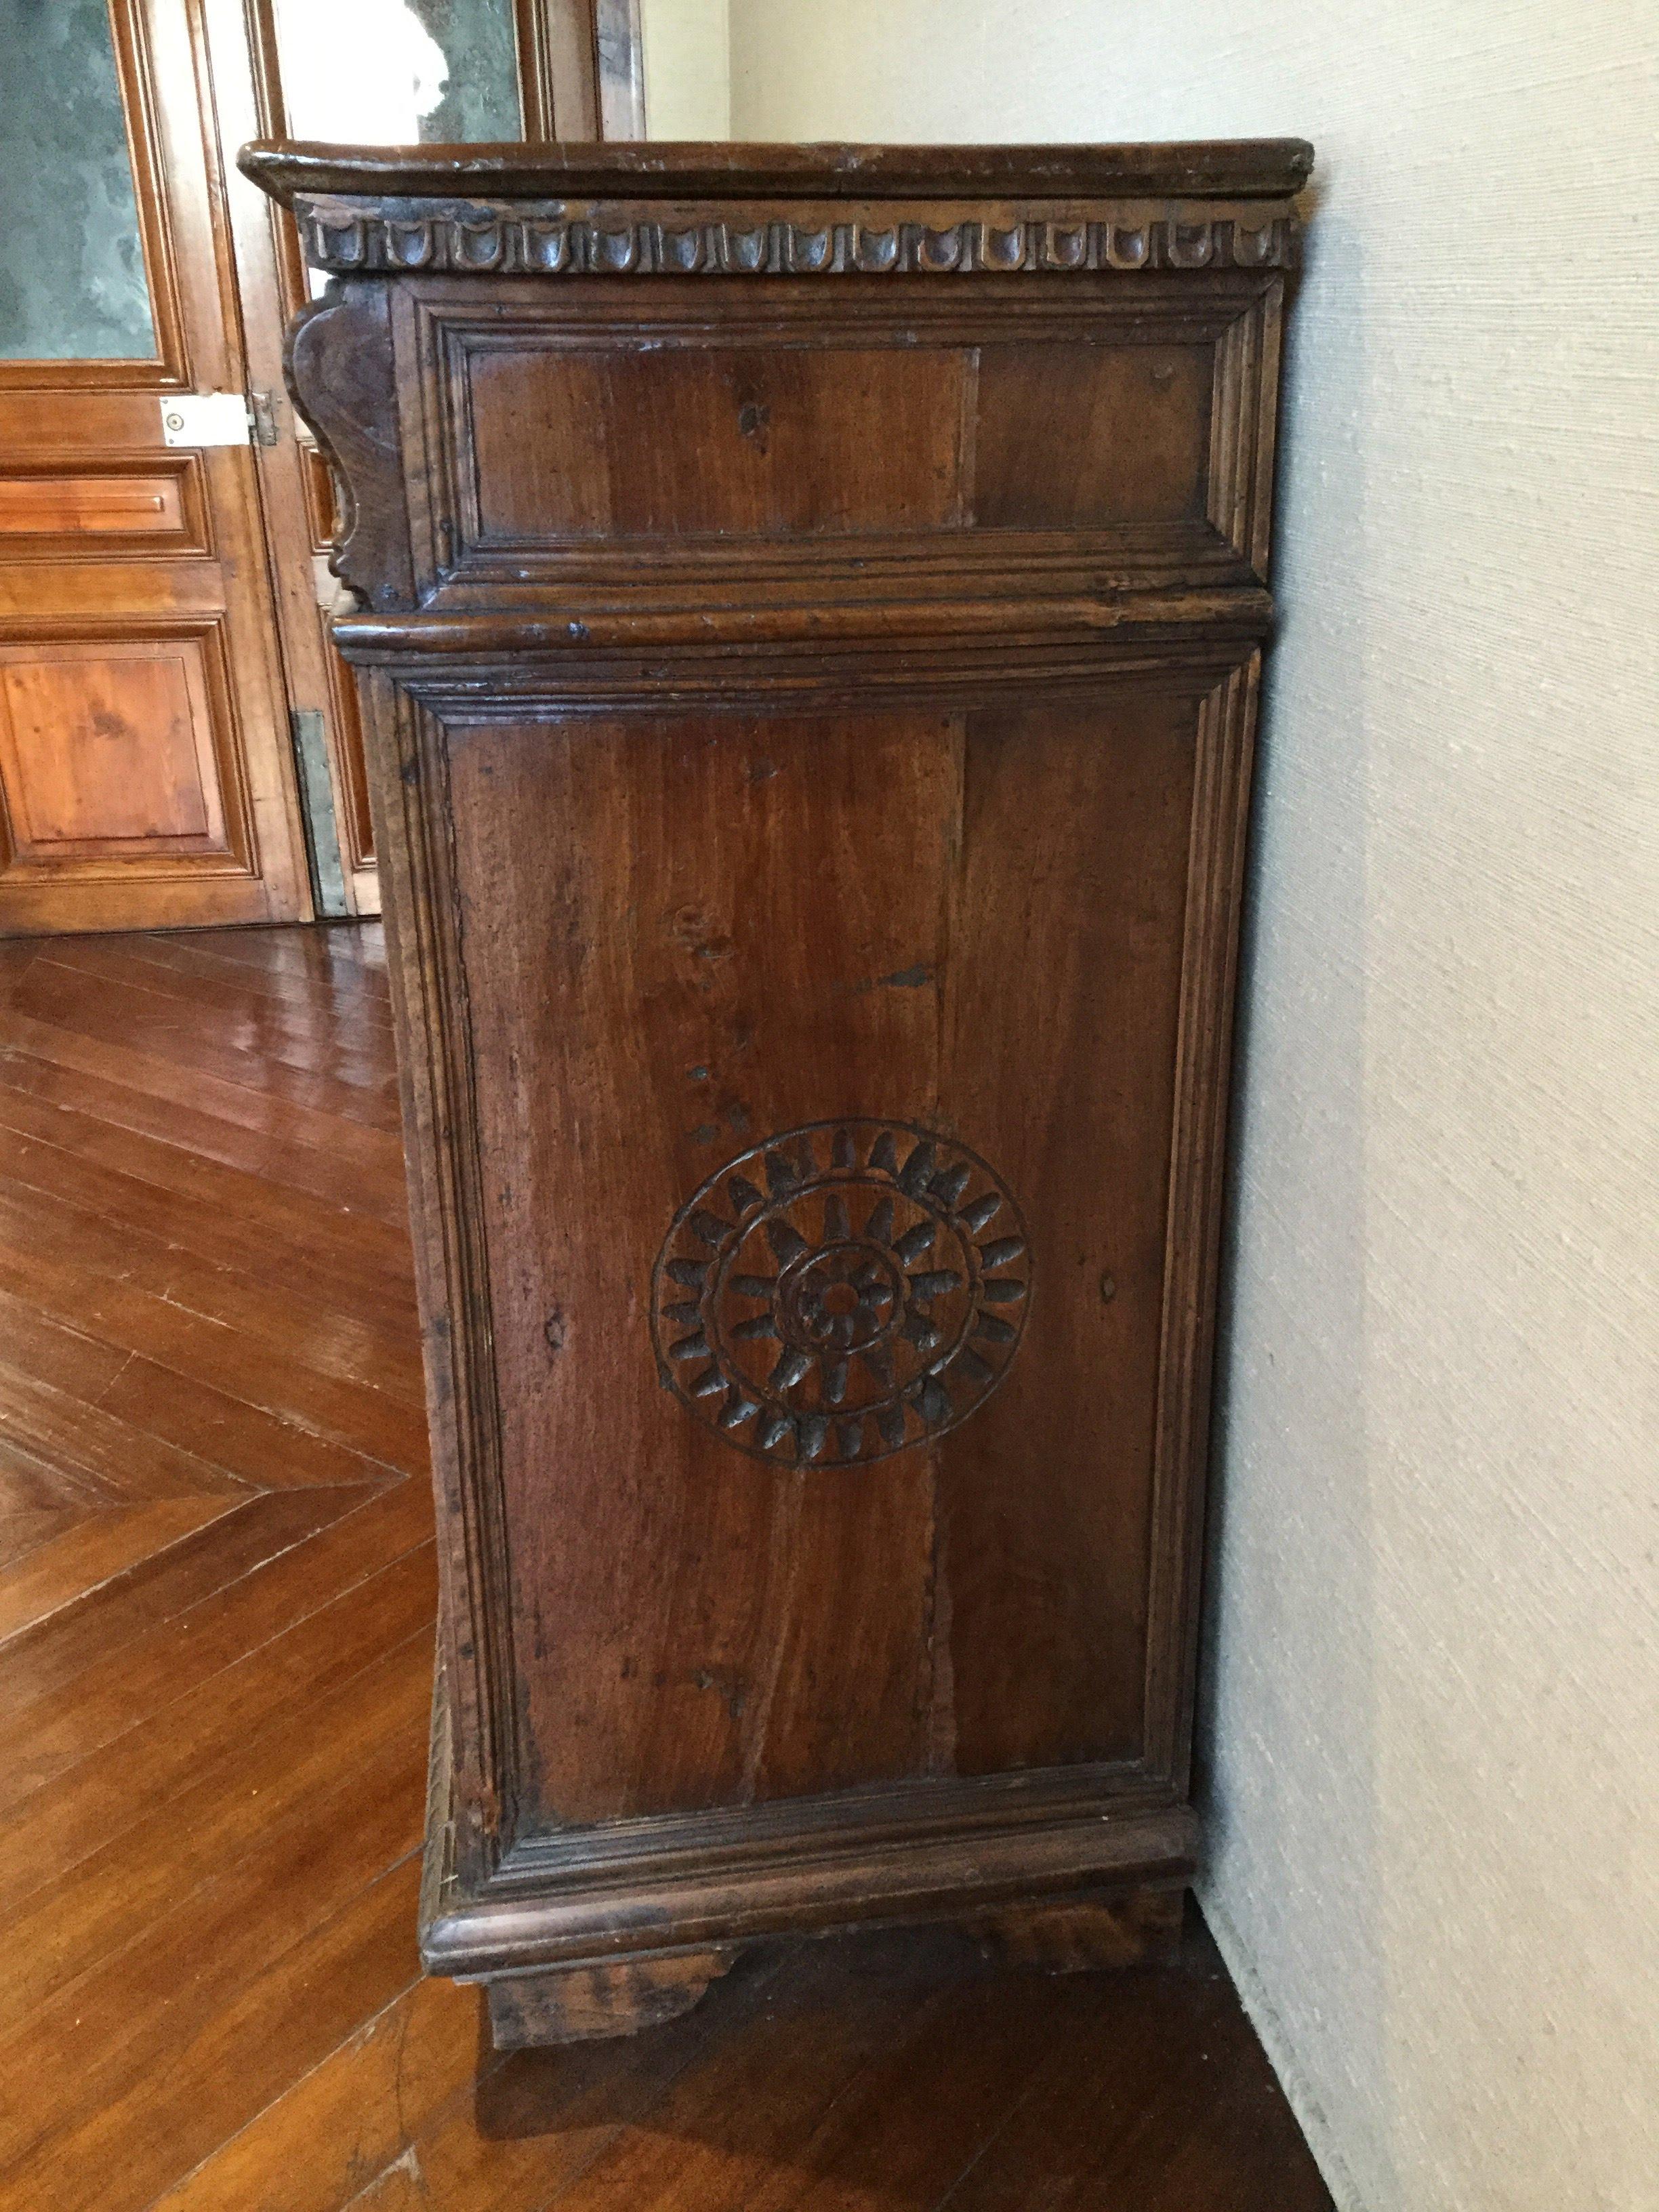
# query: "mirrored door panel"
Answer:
x=399 y=72
x=67 y=186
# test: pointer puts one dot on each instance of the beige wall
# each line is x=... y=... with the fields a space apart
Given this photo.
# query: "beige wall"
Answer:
x=1433 y=1759
x=688 y=80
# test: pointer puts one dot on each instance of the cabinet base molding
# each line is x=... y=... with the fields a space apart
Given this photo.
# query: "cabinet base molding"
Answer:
x=1058 y=1870
x=582 y=2004
x=586 y=2004
x=1080 y=1934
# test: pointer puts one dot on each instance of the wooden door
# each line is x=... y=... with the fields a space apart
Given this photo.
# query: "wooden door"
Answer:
x=146 y=778
x=163 y=598
x=425 y=71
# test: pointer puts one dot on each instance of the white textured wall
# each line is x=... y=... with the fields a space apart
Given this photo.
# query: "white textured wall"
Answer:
x=687 y=81
x=1434 y=1763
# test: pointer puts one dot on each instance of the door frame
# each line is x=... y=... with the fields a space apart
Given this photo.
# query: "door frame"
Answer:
x=580 y=77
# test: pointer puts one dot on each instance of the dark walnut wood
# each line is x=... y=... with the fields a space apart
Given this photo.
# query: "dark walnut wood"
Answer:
x=812 y=601
x=581 y=2005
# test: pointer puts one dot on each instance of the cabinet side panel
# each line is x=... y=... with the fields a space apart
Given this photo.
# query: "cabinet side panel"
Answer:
x=1059 y=1050
x=682 y=937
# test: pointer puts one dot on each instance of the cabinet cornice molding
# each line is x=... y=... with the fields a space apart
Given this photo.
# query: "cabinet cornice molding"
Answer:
x=618 y=239
x=1237 y=168
x=791 y=211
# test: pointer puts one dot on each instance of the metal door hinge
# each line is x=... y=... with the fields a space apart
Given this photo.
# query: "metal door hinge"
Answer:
x=220 y=418
x=205 y=418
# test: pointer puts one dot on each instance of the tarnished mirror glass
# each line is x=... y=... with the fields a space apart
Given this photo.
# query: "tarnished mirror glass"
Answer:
x=399 y=72
x=72 y=286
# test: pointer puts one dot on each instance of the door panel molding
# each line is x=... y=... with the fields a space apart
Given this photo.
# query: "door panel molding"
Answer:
x=96 y=785
x=582 y=69
x=296 y=493
x=55 y=507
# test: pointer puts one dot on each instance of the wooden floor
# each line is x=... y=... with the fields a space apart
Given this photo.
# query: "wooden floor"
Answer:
x=215 y=1615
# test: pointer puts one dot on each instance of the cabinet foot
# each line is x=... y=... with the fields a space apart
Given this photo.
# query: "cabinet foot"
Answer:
x=576 y=2004
x=1077 y=1935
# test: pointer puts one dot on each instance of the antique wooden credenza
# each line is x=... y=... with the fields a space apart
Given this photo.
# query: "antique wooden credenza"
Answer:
x=811 y=602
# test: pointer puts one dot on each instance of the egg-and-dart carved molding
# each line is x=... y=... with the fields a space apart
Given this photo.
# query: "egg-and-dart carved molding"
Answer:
x=352 y=242
x=842 y=1292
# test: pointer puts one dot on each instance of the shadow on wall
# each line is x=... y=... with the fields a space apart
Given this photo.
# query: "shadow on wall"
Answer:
x=1286 y=1694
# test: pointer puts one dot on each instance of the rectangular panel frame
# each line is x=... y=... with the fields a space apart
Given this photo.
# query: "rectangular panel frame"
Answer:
x=191 y=534
x=152 y=862
x=439 y=322
x=169 y=369
x=492 y=1856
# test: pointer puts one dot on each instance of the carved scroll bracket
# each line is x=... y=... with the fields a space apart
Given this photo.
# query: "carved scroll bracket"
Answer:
x=341 y=378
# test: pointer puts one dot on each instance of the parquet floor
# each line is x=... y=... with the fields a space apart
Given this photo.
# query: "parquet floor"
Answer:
x=215 y=1609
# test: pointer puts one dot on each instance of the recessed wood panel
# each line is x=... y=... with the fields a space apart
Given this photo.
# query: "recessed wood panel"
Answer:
x=354 y=820
x=91 y=507
x=1076 y=826
x=726 y=928
x=756 y=440
x=722 y=927
x=1078 y=437
x=107 y=750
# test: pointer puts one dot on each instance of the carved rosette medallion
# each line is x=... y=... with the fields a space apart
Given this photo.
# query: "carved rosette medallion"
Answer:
x=842 y=1292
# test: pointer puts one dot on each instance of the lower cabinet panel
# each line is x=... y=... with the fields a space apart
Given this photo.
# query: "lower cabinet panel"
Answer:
x=817 y=1047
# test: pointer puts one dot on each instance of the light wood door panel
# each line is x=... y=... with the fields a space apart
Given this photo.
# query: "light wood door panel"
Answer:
x=107 y=757
x=146 y=775
x=60 y=511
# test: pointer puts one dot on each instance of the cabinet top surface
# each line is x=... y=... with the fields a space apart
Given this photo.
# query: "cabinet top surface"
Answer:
x=1243 y=168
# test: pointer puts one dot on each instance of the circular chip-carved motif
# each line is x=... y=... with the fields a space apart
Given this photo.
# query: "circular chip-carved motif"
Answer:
x=842 y=1292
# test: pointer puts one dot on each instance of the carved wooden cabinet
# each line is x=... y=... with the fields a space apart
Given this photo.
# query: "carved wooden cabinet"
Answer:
x=811 y=604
